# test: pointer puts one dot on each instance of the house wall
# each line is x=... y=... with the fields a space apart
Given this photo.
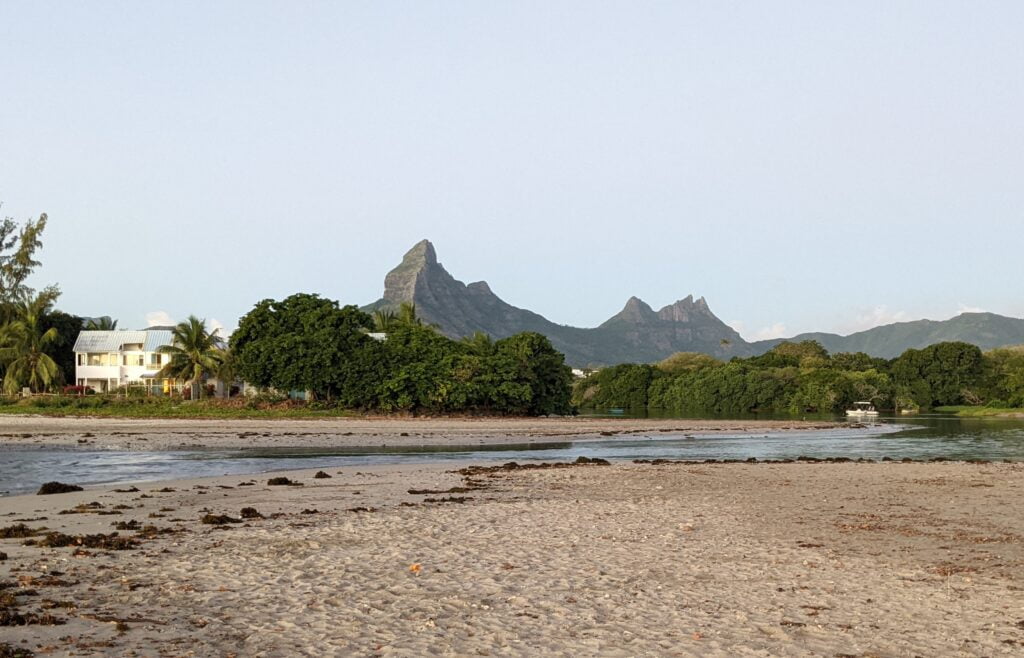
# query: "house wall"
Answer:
x=121 y=374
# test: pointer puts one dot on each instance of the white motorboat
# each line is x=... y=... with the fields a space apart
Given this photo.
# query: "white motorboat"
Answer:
x=862 y=410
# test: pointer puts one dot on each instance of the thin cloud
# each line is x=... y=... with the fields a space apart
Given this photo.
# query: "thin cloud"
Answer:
x=159 y=319
x=777 y=330
x=873 y=317
x=963 y=308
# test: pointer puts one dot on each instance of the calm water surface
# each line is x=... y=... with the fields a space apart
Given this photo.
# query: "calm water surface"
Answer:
x=918 y=437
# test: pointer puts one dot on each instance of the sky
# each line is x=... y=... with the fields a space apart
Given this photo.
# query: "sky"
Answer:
x=804 y=166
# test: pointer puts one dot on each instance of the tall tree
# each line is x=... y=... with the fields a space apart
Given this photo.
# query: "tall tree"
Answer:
x=308 y=343
x=194 y=352
x=24 y=345
x=17 y=258
x=384 y=320
x=103 y=323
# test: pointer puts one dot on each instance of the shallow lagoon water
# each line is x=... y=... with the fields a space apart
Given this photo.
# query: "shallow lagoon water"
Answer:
x=920 y=437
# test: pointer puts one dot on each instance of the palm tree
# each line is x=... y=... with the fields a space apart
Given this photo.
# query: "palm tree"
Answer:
x=407 y=314
x=104 y=323
x=194 y=352
x=384 y=320
x=479 y=343
x=23 y=346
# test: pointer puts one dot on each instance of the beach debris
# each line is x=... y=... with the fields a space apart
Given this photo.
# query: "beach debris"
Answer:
x=57 y=488
x=320 y=475
x=415 y=568
x=218 y=519
x=246 y=484
x=19 y=531
x=127 y=525
x=515 y=466
x=361 y=509
x=12 y=617
x=3 y=556
x=89 y=508
x=250 y=513
x=310 y=511
x=449 y=499
x=27 y=581
x=164 y=490
x=421 y=492
x=8 y=651
x=113 y=541
x=152 y=532
x=282 y=481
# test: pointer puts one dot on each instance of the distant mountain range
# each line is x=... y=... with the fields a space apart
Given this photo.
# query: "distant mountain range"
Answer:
x=640 y=334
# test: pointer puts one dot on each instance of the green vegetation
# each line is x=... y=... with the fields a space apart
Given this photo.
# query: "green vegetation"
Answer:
x=312 y=344
x=35 y=340
x=195 y=353
x=167 y=407
x=804 y=378
x=24 y=341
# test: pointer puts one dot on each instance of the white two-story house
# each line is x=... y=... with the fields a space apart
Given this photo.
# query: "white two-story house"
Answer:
x=108 y=360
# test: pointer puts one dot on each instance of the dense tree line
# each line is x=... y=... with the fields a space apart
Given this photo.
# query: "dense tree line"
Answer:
x=312 y=344
x=803 y=377
x=36 y=340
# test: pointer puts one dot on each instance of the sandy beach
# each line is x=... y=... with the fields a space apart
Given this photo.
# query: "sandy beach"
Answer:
x=172 y=434
x=833 y=559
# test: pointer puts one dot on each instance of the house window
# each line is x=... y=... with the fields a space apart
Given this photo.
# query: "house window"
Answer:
x=81 y=359
x=154 y=359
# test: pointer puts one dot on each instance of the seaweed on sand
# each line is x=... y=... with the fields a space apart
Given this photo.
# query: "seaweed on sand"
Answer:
x=282 y=481
x=57 y=488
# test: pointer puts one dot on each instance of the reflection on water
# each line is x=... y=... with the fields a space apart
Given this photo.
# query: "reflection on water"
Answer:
x=917 y=437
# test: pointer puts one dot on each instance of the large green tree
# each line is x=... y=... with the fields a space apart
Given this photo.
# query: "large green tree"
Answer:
x=195 y=352
x=18 y=246
x=305 y=342
x=25 y=343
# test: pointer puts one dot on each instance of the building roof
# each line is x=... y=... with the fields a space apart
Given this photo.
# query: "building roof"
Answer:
x=113 y=341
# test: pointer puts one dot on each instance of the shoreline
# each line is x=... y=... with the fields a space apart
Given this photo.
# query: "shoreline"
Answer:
x=698 y=559
x=174 y=434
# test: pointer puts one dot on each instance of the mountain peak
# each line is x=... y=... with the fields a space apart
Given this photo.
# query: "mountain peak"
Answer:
x=400 y=283
x=635 y=311
x=686 y=309
x=421 y=253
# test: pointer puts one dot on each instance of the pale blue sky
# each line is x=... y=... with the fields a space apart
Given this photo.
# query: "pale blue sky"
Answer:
x=814 y=165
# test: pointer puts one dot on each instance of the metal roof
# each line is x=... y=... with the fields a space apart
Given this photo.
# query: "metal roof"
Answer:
x=156 y=338
x=113 y=341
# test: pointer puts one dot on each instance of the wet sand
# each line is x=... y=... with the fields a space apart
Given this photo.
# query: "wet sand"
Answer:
x=175 y=434
x=803 y=559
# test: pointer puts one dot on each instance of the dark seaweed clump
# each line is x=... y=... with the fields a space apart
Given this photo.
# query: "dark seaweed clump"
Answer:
x=283 y=482
x=218 y=519
x=10 y=615
x=320 y=475
x=250 y=513
x=470 y=471
x=57 y=488
x=111 y=542
x=8 y=651
x=18 y=531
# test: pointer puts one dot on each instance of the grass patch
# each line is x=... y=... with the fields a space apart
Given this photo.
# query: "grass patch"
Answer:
x=981 y=412
x=161 y=407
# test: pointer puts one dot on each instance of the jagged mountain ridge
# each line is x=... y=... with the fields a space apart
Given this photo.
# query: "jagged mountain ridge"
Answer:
x=986 y=330
x=639 y=334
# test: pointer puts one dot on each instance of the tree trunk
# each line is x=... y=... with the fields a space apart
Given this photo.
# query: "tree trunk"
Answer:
x=197 y=377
